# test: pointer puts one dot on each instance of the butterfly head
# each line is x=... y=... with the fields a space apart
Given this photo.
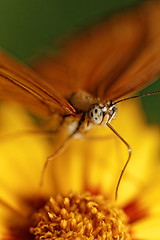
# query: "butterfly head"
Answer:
x=102 y=113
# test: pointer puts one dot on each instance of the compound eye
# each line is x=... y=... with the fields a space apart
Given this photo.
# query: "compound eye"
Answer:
x=96 y=114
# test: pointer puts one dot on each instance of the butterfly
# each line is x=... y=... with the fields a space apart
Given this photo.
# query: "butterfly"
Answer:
x=92 y=70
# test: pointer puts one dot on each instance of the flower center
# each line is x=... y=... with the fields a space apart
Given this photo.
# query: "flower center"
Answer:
x=80 y=217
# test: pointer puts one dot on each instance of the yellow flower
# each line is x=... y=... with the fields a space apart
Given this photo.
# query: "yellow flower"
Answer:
x=85 y=165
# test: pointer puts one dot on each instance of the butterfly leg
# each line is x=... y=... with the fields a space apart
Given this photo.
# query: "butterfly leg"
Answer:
x=97 y=138
x=23 y=133
x=58 y=151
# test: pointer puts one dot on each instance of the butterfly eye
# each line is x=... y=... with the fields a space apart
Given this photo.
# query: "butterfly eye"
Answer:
x=96 y=114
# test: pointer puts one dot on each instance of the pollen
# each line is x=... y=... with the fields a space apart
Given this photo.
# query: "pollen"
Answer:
x=80 y=217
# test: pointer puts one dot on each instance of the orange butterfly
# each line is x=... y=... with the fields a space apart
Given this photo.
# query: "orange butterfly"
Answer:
x=104 y=63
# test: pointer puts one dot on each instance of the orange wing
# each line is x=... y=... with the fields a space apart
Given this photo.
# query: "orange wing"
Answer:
x=145 y=67
x=96 y=60
x=19 y=83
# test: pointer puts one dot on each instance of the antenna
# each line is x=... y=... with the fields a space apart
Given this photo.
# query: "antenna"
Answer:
x=137 y=96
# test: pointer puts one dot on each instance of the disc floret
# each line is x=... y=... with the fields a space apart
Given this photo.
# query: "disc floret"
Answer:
x=80 y=217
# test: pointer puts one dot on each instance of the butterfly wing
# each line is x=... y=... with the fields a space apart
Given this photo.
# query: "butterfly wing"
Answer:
x=19 y=83
x=146 y=65
x=95 y=60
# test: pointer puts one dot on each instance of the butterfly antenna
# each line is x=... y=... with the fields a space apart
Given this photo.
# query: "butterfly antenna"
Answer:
x=137 y=96
x=125 y=166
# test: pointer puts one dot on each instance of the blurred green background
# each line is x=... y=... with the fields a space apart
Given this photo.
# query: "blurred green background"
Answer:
x=27 y=26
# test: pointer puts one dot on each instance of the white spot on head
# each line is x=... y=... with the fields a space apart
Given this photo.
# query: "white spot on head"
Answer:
x=96 y=114
x=104 y=109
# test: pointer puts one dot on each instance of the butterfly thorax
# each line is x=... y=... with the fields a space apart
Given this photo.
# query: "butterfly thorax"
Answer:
x=92 y=108
x=82 y=101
